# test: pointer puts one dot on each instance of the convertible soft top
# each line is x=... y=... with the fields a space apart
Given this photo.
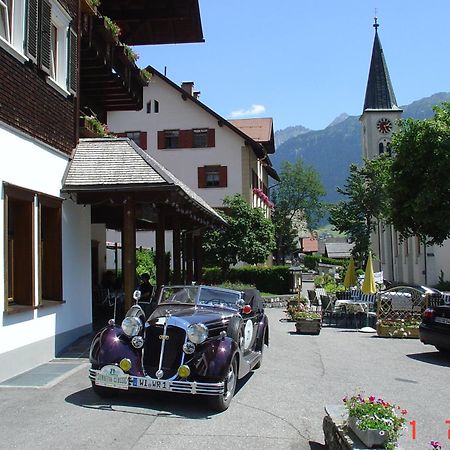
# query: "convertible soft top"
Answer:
x=253 y=298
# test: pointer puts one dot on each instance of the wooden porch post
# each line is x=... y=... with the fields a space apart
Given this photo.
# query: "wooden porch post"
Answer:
x=189 y=257
x=129 y=251
x=160 y=249
x=176 y=254
x=198 y=258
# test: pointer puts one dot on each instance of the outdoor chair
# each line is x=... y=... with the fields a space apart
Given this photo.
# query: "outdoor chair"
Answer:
x=314 y=302
x=328 y=309
x=344 y=295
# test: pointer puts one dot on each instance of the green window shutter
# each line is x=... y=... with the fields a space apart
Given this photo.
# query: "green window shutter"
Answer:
x=72 y=61
x=32 y=28
x=46 y=36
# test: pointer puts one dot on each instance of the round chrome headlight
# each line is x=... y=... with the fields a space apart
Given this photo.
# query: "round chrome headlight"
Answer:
x=197 y=333
x=131 y=326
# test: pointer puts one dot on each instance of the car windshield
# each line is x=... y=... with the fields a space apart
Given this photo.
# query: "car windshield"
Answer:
x=214 y=296
x=200 y=295
x=179 y=294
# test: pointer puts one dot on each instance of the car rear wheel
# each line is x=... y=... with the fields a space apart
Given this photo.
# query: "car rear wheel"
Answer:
x=222 y=402
x=103 y=392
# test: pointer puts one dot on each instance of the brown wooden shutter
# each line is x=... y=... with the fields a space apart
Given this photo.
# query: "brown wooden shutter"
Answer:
x=186 y=139
x=32 y=27
x=143 y=140
x=72 y=62
x=223 y=176
x=201 y=172
x=161 y=139
x=45 y=34
x=211 y=137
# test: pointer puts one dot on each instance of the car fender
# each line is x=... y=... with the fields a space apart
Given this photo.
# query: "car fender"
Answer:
x=110 y=345
x=262 y=333
x=218 y=354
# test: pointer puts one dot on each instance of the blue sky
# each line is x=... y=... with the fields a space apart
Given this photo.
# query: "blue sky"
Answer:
x=305 y=62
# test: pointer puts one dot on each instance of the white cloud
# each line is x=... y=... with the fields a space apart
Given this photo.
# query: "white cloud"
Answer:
x=253 y=111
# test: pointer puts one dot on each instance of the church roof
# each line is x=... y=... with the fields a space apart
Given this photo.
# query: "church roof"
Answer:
x=379 y=92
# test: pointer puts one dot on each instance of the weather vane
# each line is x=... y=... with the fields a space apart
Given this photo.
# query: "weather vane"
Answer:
x=375 y=25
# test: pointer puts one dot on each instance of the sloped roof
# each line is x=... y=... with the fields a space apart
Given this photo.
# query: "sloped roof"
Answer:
x=379 y=92
x=310 y=244
x=105 y=164
x=260 y=130
x=338 y=249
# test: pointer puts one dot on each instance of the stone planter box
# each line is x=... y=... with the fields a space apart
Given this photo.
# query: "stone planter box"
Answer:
x=397 y=332
x=371 y=438
x=308 y=326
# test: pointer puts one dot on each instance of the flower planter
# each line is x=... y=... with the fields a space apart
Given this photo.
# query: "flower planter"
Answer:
x=370 y=438
x=398 y=331
x=308 y=326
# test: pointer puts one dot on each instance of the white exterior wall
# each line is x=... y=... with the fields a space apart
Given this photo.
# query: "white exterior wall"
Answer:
x=176 y=113
x=34 y=336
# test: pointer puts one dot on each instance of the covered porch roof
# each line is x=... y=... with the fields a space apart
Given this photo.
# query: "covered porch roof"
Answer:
x=104 y=170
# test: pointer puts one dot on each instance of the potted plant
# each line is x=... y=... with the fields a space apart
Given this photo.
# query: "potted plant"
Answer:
x=306 y=322
x=398 y=328
x=375 y=421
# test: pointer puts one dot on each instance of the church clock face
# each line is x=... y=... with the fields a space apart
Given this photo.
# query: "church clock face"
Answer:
x=384 y=125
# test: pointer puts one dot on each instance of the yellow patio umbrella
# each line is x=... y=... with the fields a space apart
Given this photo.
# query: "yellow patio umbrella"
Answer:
x=350 y=275
x=369 y=286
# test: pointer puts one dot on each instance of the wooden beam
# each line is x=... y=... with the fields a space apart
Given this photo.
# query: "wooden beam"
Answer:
x=176 y=254
x=189 y=258
x=129 y=250
x=160 y=249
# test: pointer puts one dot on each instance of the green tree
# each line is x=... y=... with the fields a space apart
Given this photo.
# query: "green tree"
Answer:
x=249 y=236
x=367 y=202
x=420 y=179
x=299 y=193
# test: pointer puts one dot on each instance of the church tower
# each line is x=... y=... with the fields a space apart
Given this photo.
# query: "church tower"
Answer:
x=381 y=111
x=379 y=121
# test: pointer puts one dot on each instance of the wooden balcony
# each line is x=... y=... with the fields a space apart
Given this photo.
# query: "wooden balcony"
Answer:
x=109 y=80
x=145 y=22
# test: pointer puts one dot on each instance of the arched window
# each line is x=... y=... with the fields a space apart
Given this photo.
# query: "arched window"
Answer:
x=380 y=148
x=388 y=149
x=149 y=107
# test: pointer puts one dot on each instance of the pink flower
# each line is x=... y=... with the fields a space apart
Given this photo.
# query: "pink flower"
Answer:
x=404 y=412
x=371 y=398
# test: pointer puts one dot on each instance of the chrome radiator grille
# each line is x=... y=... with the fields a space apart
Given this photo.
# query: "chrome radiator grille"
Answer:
x=173 y=350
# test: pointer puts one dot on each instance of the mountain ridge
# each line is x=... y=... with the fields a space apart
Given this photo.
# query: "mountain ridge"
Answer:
x=332 y=150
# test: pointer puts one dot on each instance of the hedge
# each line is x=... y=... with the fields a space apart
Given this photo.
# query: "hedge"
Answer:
x=311 y=261
x=275 y=280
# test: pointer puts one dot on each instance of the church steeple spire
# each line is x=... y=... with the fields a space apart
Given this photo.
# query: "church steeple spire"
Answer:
x=379 y=92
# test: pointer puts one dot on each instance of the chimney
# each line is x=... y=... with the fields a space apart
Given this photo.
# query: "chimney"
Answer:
x=188 y=86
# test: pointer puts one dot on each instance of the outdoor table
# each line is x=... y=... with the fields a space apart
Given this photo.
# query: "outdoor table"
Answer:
x=353 y=311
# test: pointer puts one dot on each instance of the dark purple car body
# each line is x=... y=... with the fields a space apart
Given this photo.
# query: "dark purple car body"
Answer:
x=198 y=340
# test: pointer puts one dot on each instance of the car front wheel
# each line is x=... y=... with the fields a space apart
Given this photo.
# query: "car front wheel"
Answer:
x=222 y=402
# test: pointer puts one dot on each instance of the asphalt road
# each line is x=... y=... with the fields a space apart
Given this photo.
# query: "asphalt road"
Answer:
x=279 y=406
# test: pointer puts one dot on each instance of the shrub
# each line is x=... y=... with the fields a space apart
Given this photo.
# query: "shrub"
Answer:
x=276 y=279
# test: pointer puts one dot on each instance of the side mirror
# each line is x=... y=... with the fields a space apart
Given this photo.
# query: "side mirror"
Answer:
x=137 y=295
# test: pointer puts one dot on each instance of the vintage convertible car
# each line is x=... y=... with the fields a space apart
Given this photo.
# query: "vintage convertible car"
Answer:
x=198 y=340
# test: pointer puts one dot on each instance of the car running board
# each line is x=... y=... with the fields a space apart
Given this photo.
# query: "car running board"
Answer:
x=249 y=362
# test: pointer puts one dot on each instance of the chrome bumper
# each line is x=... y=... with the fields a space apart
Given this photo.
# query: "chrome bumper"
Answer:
x=185 y=387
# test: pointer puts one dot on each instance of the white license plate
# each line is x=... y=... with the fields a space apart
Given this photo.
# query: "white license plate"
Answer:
x=442 y=320
x=150 y=383
x=112 y=381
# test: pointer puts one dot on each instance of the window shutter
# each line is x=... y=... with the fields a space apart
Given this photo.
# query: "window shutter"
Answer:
x=143 y=140
x=186 y=139
x=31 y=24
x=72 y=62
x=223 y=176
x=211 y=137
x=45 y=36
x=161 y=139
x=201 y=172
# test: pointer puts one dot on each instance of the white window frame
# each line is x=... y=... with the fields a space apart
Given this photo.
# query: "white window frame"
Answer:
x=61 y=21
x=14 y=44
